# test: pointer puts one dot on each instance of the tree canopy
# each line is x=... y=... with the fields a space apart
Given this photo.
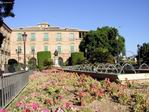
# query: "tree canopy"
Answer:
x=144 y=53
x=102 y=44
x=6 y=7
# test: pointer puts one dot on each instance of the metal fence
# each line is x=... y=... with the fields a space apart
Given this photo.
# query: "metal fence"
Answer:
x=11 y=84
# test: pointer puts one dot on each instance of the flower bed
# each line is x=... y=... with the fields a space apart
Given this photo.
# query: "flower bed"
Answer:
x=50 y=91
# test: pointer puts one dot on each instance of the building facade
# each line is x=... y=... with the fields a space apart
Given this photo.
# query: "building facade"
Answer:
x=5 y=33
x=44 y=37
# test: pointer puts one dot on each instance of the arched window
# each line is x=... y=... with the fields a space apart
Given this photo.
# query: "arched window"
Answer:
x=59 y=49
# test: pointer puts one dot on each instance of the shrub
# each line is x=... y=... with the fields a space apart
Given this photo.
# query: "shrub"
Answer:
x=41 y=57
x=32 y=63
x=77 y=58
x=47 y=62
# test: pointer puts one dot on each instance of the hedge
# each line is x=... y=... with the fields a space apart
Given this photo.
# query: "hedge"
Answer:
x=41 y=57
x=77 y=58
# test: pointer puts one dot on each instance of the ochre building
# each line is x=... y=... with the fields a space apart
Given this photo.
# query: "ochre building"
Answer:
x=44 y=37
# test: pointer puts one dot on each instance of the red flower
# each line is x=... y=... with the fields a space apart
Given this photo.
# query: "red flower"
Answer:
x=26 y=110
x=81 y=94
x=48 y=101
x=100 y=93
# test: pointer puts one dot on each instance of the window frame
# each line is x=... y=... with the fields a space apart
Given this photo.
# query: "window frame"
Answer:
x=19 y=37
x=71 y=36
x=33 y=37
x=59 y=37
x=46 y=36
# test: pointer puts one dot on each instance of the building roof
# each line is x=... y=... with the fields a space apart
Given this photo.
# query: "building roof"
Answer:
x=46 y=27
x=6 y=27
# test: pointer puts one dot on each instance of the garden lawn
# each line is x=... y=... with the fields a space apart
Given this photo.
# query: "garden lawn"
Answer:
x=50 y=91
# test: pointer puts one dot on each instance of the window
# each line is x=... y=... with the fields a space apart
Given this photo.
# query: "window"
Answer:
x=19 y=48
x=71 y=36
x=59 y=49
x=46 y=48
x=19 y=37
x=72 y=48
x=33 y=37
x=46 y=37
x=58 y=37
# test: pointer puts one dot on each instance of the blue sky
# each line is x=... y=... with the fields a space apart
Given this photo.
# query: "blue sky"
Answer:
x=130 y=17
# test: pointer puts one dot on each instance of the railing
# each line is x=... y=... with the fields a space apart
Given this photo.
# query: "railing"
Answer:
x=11 y=84
x=108 y=68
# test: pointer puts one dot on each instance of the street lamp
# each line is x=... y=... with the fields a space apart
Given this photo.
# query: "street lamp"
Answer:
x=138 y=46
x=24 y=35
x=18 y=51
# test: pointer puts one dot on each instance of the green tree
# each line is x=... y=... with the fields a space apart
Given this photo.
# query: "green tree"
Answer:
x=77 y=58
x=105 y=38
x=144 y=53
x=101 y=55
x=6 y=7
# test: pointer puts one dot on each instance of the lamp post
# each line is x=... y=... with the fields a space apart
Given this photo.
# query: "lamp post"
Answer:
x=24 y=35
x=18 y=51
x=138 y=46
x=117 y=49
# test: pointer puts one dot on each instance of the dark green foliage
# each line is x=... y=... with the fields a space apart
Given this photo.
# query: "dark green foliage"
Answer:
x=144 y=53
x=47 y=63
x=6 y=7
x=32 y=63
x=101 y=55
x=77 y=58
x=106 y=39
x=42 y=57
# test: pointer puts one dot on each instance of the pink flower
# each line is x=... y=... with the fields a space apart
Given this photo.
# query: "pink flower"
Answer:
x=18 y=104
x=68 y=105
x=107 y=80
x=45 y=110
x=3 y=110
x=35 y=106
x=60 y=97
